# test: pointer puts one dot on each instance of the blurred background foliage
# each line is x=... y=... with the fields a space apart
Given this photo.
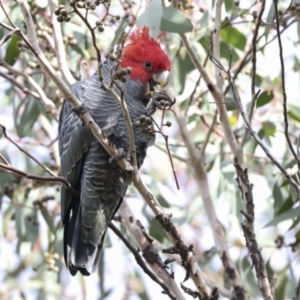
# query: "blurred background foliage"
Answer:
x=30 y=226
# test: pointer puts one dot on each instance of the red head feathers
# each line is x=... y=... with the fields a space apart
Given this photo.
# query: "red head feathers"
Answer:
x=145 y=56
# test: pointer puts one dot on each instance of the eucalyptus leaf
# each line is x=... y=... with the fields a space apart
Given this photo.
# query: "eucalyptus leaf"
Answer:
x=234 y=37
x=118 y=35
x=152 y=17
x=12 y=51
x=174 y=20
x=48 y=218
x=264 y=98
x=156 y=231
x=28 y=118
x=31 y=228
x=287 y=215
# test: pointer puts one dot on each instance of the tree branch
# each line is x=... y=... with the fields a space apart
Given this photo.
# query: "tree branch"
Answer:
x=32 y=43
x=40 y=178
x=144 y=242
x=140 y=261
x=26 y=152
x=48 y=104
x=59 y=45
x=216 y=226
x=248 y=228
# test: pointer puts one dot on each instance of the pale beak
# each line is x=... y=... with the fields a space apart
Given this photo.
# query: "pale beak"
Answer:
x=161 y=78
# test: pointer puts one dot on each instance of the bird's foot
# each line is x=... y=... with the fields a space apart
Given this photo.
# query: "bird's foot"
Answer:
x=80 y=109
x=162 y=100
x=121 y=154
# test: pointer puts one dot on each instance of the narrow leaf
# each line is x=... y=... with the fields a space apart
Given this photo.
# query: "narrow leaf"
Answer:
x=174 y=20
x=233 y=37
x=28 y=118
x=264 y=98
x=118 y=35
x=12 y=51
x=290 y=214
x=151 y=17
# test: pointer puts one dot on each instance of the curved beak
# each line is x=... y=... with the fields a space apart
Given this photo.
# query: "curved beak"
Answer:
x=161 y=78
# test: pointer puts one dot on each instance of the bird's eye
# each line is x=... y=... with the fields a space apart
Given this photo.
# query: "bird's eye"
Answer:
x=148 y=65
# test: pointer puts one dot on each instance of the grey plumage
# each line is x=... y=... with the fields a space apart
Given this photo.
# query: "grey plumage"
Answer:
x=87 y=166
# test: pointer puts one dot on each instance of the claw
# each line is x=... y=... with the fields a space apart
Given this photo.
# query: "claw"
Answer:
x=162 y=100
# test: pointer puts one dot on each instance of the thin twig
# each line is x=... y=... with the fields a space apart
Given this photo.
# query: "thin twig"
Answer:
x=26 y=152
x=218 y=97
x=253 y=74
x=255 y=136
x=6 y=26
x=163 y=149
x=40 y=178
x=8 y=36
x=4 y=159
x=48 y=104
x=284 y=104
x=59 y=45
x=207 y=137
x=166 y=138
x=17 y=84
x=6 y=14
x=195 y=88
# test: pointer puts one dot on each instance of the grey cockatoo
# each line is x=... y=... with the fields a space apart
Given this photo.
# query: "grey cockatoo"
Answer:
x=85 y=163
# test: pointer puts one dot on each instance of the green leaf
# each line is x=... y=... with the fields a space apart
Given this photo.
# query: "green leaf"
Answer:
x=12 y=51
x=296 y=65
x=229 y=4
x=1 y=32
x=156 y=231
x=278 y=198
x=205 y=20
x=290 y=214
x=233 y=37
x=28 y=118
x=225 y=52
x=5 y=177
x=80 y=50
x=248 y=276
x=118 y=34
x=269 y=128
x=163 y=202
x=286 y=205
x=19 y=217
x=151 y=17
x=183 y=66
x=295 y=223
x=31 y=228
x=270 y=20
x=280 y=290
x=174 y=20
x=264 y=98
x=230 y=104
x=7 y=218
x=48 y=219
x=294 y=112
